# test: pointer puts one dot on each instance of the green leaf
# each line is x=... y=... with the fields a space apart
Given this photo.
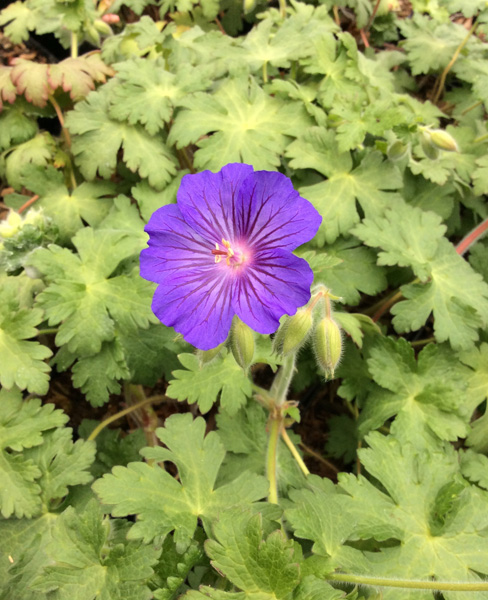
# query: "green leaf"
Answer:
x=162 y=503
x=335 y=199
x=70 y=209
x=347 y=269
x=430 y=396
x=172 y=570
x=435 y=517
x=98 y=376
x=203 y=383
x=18 y=19
x=408 y=237
x=477 y=360
x=83 y=297
x=21 y=426
x=91 y=559
x=474 y=467
x=249 y=126
x=21 y=362
x=451 y=290
x=62 y=463
x=25 y=542
x=245 y=440
x=146 y=93
x=97 y=139
x=263 y=568
x=38 y=150
x=321 y=514
x=113 y=447
x=15 y=126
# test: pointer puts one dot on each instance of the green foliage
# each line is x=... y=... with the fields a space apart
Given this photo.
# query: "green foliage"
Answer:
x=379 y=119
x=203 y=383
x=161 y=503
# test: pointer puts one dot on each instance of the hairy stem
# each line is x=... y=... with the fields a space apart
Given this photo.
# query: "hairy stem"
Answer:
x=472 y=237
x=319 y=457
x=440 y=586
x=275 y=426
x=281 y=383
x=455 y=56
x=124 y=412
x=294 y=451
x=282 y=4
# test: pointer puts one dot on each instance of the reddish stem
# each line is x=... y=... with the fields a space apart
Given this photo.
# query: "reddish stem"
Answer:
x=472 y=237
x=28 y=203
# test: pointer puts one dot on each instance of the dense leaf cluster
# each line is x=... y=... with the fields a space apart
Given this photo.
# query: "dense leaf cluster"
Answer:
x=379 y=118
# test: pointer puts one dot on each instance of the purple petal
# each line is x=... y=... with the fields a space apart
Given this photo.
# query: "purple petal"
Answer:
x=173 y=246
x=272 y=214
x=208 y=201
x=276 y=283
x=195 y=293
x=197 y=305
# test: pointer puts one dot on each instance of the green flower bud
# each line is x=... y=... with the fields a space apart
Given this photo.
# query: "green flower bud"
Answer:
x=443 y=140
x=249 y=5
x=397 y=151
x=294 y=332
x=328 y=345
x=429 y=149
x=102 y=27
x=206 y=356
x=242 y=343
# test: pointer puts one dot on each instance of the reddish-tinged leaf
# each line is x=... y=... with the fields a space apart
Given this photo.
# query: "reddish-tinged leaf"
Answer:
x=78 y=75
x=7 y=89
x=30 y=79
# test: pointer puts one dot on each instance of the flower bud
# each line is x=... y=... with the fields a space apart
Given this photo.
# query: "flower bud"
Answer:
x=443 y=140
x=242 y=343
x=248 y=6
x=397 y=151
x=206 y=356
x=294 y=332
x=102 y=27
x=428 y=147
x=328 y=345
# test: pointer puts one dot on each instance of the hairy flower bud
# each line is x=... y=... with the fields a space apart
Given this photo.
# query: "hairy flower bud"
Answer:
x=397 y=151
x=443 y=140
x=328 y=345
x=294 y=332
x=428 y=147
x=242 y=343
x=206 y=356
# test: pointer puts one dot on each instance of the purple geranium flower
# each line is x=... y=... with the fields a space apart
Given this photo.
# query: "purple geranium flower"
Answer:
x=225 y=249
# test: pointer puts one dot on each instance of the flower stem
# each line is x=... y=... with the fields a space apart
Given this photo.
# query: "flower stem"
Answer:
x=265 y=72
x=282 y=4
x=455 y=56
x=472 y=107
x=472 y=237
x=386 y=305
x=59 y=114
x=281 y=383
x=275 y=426
x=440 y=586
x=28 y=203
x=74 y=44
x=122 y=413
x=481 y=138
x=294 y=451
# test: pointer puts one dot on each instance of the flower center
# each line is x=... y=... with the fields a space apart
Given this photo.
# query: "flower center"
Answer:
x=233 y=258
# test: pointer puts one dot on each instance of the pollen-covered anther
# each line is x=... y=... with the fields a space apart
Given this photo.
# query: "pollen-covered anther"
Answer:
x=232 y=258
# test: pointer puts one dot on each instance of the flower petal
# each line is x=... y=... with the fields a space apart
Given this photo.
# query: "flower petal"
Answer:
x=208 y=201
x=173 y=246
x=272 y=214
x=195 y=294
x=197 y=305
x=276 y=283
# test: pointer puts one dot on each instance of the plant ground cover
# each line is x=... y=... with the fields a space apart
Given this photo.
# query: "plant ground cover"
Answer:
x=133 y=466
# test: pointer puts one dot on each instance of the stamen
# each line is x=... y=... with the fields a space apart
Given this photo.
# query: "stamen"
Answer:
x=228 y=253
